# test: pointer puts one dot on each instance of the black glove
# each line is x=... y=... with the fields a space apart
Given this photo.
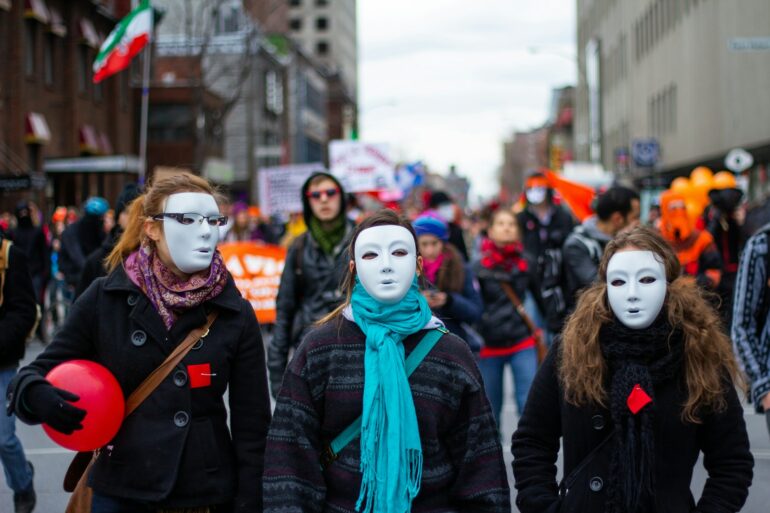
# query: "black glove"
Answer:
x=49 y=404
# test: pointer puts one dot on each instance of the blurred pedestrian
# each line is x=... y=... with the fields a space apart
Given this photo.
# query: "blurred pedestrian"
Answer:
x=617 y=209
x=508 y=340
x=177 y=451
x=446 y=208
x=419 y=443
x=81 y=238
x=17 y=318
x=243 y=228
x=695 y=248
x=95 y=262
x=452 y=291
x=641 y=383
x=31 y=240
x=313 y=271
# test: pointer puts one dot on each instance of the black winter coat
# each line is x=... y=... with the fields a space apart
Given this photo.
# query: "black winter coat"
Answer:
x=501 y=326
x=547 y=418
x=308 y=291
x=18 y=311
x=538 y=237
x=175 y=450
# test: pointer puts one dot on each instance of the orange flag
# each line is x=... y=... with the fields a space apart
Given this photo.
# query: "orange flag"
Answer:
x=578 y=197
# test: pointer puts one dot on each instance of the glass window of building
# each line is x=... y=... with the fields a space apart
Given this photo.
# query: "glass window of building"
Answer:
x=322 y=48
x=321 y=23
x=30 y=47
x=49 y=60
x=295 y=24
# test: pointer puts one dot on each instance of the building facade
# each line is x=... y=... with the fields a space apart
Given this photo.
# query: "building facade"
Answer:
x=692 y=75
x=63 y=136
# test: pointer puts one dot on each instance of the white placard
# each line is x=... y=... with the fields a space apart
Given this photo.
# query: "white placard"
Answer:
x=280 y=187
x=362 y=167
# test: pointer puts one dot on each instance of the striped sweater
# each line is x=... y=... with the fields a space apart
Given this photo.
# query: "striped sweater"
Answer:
x=751 y=334
x=463 y=468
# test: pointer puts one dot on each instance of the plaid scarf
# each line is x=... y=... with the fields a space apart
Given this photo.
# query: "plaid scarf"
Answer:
x=168 y=293
x=507 y=257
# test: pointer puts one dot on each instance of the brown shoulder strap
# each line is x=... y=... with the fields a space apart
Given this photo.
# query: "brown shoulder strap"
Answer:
x=5 y=254
x=519 y=307
x=152 y=381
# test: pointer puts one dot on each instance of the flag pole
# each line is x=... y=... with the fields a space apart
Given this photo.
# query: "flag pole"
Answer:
x=145 y=108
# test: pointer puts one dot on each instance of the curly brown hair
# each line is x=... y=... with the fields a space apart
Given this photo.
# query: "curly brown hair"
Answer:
x=708 y=355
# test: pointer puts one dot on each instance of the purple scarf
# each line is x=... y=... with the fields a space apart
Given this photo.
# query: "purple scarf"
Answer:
x=168 y=293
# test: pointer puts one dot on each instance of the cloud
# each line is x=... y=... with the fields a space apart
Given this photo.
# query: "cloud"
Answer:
x=448 y=80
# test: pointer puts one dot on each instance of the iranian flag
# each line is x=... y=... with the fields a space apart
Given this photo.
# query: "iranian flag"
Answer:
x=125 y=41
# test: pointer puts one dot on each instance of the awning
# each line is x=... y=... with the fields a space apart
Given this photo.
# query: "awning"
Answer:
x=88 y=33
x=36 y=129
x=105 y=146
x=89 y=139
x=5 y=5
x=108 y=164
x=37 y=10
x=57 y=26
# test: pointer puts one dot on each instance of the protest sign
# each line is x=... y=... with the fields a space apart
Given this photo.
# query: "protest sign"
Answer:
x=280 y=187
x=362 y=167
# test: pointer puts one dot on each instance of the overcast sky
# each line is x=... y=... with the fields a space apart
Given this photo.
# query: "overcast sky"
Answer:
x=447 y=81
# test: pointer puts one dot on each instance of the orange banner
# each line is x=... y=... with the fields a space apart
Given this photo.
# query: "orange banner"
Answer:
x=577 y=196
x=256 y=269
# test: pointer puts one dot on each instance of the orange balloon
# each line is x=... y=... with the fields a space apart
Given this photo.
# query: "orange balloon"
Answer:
x=680 y=184
x=694 y=209
x=724 y=180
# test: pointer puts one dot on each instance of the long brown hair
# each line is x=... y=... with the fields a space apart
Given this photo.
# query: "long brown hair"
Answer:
x=149 y=204
x=708 y=355
x=384 y=217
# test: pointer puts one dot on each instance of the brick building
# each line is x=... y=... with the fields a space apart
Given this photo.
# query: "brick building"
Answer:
x=60 y=134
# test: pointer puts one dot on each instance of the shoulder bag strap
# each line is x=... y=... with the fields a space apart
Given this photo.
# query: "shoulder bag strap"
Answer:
x=568 y=481
x=519 y=307
x=413 y=361
x=152 y=381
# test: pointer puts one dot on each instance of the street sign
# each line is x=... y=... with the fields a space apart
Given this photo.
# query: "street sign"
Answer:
x=15 y=182
x=645 y=152
x=738 y=160
x=748 y=44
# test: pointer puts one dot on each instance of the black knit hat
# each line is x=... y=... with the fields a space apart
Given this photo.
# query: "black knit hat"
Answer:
x=439 y=198
x=128 y=194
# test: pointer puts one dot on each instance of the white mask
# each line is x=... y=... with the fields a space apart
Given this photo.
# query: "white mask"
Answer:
x=386 y=262
x=536 y=195
x=636 y=287
x=447 y=212
x=191 y=246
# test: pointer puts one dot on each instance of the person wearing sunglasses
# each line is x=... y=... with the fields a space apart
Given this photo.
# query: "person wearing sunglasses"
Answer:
x=166 y=278
x=315 y=265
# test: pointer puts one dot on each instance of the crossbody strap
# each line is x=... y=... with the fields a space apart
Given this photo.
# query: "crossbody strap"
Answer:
x=413 y=361
x=152 y=381
x=568 y=481
x=513 y=298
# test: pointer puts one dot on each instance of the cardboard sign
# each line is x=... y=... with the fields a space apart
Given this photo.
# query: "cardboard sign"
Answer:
x=362 y=167
x=256 y=269
x=280 y=187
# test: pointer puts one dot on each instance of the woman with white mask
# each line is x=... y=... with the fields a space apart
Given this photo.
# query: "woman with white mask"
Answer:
x=167 y=281
x=381 y=410
x=641 y=382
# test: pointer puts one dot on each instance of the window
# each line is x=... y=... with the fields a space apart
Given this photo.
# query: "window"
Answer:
x=322 y=48
x=33 y=157
x=98 y=92
x=295 y=24
x=30 y=47
x=273 y=93
x=171 y=122
x=295 y=3
x=84 y=69
x=228 y=19
x=321 y=3
x=49 y=60
x=321 y=23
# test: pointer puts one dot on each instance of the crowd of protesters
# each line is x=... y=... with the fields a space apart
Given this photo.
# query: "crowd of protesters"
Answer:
x=596 y=318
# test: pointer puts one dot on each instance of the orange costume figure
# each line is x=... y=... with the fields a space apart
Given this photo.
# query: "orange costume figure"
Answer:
x=695 y=248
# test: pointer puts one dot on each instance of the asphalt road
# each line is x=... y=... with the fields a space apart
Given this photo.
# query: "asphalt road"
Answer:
x=51 y=461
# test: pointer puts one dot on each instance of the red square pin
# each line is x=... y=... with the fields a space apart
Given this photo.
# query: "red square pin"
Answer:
x=200 y=375
x=637 y=399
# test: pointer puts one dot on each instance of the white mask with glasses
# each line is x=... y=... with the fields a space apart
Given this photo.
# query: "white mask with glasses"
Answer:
x=191 y=222
x=636 y=287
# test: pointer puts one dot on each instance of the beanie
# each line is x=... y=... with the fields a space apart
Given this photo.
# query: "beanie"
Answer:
x=129 y=193
x=430 y=225
x=96 y=206
x=439 y=198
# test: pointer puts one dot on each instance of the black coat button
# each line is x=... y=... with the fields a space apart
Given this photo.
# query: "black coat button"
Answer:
x=596 y=484
x=198 y=344
x=598 y=422
x=181 y=418
x=138 y=338
x=132 y=300
x=180 y=378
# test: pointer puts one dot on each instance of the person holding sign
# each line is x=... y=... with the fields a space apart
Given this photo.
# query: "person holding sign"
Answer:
x=167 y=293
x=315 y=264
x=642 y=381
x=381 y=408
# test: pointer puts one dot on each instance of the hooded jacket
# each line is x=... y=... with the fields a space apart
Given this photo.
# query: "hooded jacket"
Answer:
x=582 y=252
x=310 y=288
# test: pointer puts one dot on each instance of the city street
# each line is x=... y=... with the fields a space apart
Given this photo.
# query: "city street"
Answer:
x=51 y=461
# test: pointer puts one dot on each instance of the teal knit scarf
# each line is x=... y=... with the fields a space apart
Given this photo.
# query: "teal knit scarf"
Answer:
x=391 y=452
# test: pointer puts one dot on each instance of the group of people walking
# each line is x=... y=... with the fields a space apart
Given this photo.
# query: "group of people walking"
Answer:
x=386 y=362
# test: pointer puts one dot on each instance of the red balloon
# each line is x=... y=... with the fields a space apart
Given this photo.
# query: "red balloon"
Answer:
x=100 y=395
